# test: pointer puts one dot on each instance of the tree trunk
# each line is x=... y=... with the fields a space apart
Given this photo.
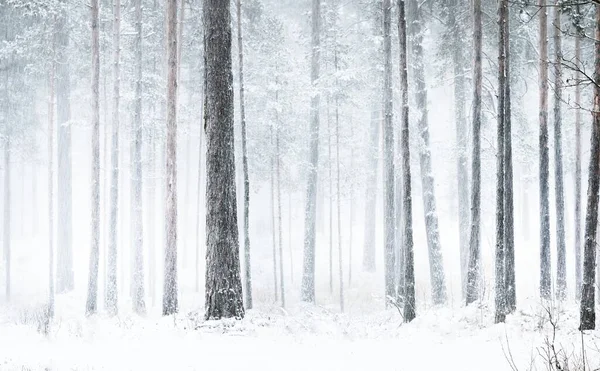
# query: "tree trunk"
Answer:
x=500 y=288
x=170 y=302
x=436 y=264
x=509 y=223
x=112 y=292
x=65 y=279
x=92 y=300
x=51 y=86
x=545 y=265
x=461 y=142
x=330 y=210
x=7 y=217
x=561 y=274
x=198 y=198
x=224 y=296
x=474 y=239
x=388 y=153
x=273 y=221
x=247 y=265
x=337 y=159
x=587 y=310
x=139 y=304
x=278 y=174
x=290 y=245
x=351 y=203
x=308 y=277
x=371 y=192
x=578 y=173
x=409 y=265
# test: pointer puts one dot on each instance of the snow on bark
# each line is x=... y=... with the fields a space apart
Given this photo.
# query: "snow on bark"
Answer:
x=223 y=282
x=308 y=276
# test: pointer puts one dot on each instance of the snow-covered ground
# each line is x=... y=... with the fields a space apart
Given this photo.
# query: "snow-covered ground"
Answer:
x=299 y=338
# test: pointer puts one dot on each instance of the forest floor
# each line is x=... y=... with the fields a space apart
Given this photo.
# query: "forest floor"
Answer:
x=301 y=337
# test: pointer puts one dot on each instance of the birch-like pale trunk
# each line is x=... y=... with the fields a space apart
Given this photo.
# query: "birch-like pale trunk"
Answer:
x=51 y=100
x=577 y=232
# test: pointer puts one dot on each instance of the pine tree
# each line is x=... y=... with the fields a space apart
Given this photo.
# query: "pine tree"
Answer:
x=224 y=296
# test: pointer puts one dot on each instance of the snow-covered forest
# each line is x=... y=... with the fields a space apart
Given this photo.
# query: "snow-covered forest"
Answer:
x=299 y=184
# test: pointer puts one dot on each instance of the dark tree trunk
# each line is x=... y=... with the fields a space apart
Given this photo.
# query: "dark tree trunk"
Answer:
x=436 y=264
x=509 y=224
x=409 y=265
x=561 y=267
x=587 y=310
x=92 y=299
x=545 y=266
x=64 y=277
x=500 y=299
x=224 y=298
x=247 y=266
x=474 y=239
x=388 y=154
x=308 y=277
x=170 y=301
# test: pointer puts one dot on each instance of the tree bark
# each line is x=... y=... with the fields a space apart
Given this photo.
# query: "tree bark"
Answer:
x=587 y=310
x=308 y=277
x=474 y=238
x=112 y=294
x=545 y=265
x=139 y=304
x=436 y=264
x=409 y=266
x=170 y=301
x=92 y=300
x=388 y=153
x=369 y=264
x=273 y=221
x=224 y=296
x=561 y=267
x=7 y=217
x=51 y=99
x=578 y=173
x=278 y=174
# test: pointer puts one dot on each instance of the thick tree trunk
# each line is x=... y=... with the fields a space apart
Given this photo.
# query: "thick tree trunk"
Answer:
x=388 y=155
x=500 y=288
x=308 y=277
x=474 y=238
x=170 y=302
x=587 y=310
x=247 y=265
x=509 y=228
x=578 y=174
x=112 y=293
x=224 y=296
x=436 y=264
x=139 y=304
x=561 y=266
x=545 y=265
x=409 y=265
x=92 y=300
x=65 y=278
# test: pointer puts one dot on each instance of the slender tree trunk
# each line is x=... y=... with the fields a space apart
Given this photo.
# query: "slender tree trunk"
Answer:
x=561 y=274
x=436 y=264
x=308 y=277
x=371 y=192
x=139 y=304
x=170 y=302
x=587 y=310
x=92 y=300
x=461 y=142
x=337 y=159
x=273 y=221
x=290 y=245
x=65 y=280
x=500 y=298
x=278 y=174
x=350 y=229
x=198 y=198
x=578 y=173
x=247 y=265
x=112 y=292
x=7 y=217
x=545 y=266
x=224 y=296
x=474 y=239
x=51 y=100
x=409 y=266
x=509 y=224
x=388 y=150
